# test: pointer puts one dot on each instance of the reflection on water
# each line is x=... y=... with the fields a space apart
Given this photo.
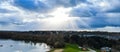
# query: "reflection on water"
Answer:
x=21 y=46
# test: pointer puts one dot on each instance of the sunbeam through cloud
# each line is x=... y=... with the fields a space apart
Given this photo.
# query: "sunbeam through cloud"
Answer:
x=25 y=15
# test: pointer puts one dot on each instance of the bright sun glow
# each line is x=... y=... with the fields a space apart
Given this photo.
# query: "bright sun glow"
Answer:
x=103 y=4
x=60 y=20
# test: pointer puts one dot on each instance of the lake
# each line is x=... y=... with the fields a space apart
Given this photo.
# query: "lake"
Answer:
x=22 y=46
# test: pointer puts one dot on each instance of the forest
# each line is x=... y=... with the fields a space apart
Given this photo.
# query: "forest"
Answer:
x=57 y=39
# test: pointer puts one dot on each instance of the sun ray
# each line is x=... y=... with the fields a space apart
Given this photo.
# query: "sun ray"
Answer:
x=60 y=20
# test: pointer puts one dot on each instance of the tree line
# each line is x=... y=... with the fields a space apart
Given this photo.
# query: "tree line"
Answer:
x=57 y=39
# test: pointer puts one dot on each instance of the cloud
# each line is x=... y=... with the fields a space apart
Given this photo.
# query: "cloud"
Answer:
x=59 y=14
x=32 y=5
x=82 y=10
x=114 y=6
x=109 y=28
x=64 y=3
x=105 y=19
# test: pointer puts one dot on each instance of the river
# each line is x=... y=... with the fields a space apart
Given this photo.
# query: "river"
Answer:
x=22 y=46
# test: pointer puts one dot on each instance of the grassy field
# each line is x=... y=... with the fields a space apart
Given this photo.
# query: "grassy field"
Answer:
x=97 y=50
x=72 y=48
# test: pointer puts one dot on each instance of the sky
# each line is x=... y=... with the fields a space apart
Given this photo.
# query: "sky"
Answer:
x=83 y=15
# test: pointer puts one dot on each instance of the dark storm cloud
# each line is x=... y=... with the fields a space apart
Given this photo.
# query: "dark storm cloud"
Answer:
x=83 y=12
x=105 y=19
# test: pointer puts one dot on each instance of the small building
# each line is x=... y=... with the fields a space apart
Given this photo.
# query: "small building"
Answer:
x=105 y=49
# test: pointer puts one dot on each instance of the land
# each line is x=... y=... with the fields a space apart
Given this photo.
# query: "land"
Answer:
x=68 y=40
x=57 y=50
x=73 y=48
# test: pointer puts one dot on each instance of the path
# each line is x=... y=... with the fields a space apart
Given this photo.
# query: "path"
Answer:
x=58 y=50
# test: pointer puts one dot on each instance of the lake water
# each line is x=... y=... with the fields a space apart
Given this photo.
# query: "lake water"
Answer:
x=21 y=46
